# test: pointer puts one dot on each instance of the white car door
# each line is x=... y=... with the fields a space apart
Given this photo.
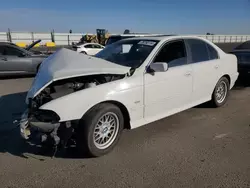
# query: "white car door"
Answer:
x=90 y=50
x=170 y=91
x=206 y=66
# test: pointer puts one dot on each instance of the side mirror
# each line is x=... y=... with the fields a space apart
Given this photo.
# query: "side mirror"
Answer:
x=159 y=67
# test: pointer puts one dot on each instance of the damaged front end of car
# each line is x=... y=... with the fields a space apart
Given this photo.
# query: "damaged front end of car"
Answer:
x=44 y=126
x=56 y=79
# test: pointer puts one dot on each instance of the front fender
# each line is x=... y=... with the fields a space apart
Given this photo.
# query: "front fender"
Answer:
x=128 y=92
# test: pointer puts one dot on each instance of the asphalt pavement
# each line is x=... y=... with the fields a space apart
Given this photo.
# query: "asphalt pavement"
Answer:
x=200 y=147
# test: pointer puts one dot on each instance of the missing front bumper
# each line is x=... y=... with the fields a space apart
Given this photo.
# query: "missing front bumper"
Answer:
x=29 y=124
x=24 y=124
x=30 y=129
x=38 y=132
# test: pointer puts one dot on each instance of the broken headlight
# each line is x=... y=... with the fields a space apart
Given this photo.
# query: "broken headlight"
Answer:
x=32 y=104
x=46 y=116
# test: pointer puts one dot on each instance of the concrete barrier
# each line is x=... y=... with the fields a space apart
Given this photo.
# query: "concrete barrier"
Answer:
x=3 y=37
x=67 y=38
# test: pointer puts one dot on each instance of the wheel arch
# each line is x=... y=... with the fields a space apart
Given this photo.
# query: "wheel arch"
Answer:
x=214 y=101
x=228 y=77
x=83 y=52
x=121 y=106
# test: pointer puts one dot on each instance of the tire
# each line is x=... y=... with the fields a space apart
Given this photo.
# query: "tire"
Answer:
x=83 y=53
x=85 y=141
x=221 y=92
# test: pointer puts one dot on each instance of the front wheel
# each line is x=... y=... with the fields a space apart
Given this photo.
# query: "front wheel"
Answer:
x=100 y=130
x=221 y=92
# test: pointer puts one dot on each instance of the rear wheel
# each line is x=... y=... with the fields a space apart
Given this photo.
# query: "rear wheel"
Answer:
x=100 y=130
x=221 y=92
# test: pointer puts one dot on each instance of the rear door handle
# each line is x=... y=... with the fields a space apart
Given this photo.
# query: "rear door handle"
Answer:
x=4 y=58
x=216 y=66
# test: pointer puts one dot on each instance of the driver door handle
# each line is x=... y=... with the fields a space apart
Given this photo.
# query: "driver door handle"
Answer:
x=188 y=74
x=4 y=58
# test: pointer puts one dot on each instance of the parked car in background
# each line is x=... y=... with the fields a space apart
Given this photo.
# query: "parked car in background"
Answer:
x=128 y=84
x=19 y=61
x=88 y=48
x=242 y=53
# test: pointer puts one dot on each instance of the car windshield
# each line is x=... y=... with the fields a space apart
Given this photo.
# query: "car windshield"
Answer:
x=111 y=40
x=130 y=53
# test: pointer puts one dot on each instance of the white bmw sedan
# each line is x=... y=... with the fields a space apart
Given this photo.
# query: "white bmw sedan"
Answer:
x=128 y=84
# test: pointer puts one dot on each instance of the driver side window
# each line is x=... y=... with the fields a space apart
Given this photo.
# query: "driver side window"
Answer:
x=97 y=46
x=89 y=46
x=173 y=53
x=10 y=51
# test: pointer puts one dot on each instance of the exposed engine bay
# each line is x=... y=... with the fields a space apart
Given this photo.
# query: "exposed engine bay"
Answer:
x=66 y=86
x=44 y=125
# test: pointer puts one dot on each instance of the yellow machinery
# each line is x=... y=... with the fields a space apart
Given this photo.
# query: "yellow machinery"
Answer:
x=101 y=37
x=89 y=38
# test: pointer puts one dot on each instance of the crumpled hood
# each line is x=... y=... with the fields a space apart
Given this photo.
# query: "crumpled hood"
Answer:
x=66 y=63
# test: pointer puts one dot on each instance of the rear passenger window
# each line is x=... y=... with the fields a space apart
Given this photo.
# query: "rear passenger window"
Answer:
x=213 y=54
x=11 y=51
x=199 y=51
x=96 y=46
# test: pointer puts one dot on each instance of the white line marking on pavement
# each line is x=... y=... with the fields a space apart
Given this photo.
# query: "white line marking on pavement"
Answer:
x=219 y=136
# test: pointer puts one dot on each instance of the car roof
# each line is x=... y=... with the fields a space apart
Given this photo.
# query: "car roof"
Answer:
x=92 y=43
